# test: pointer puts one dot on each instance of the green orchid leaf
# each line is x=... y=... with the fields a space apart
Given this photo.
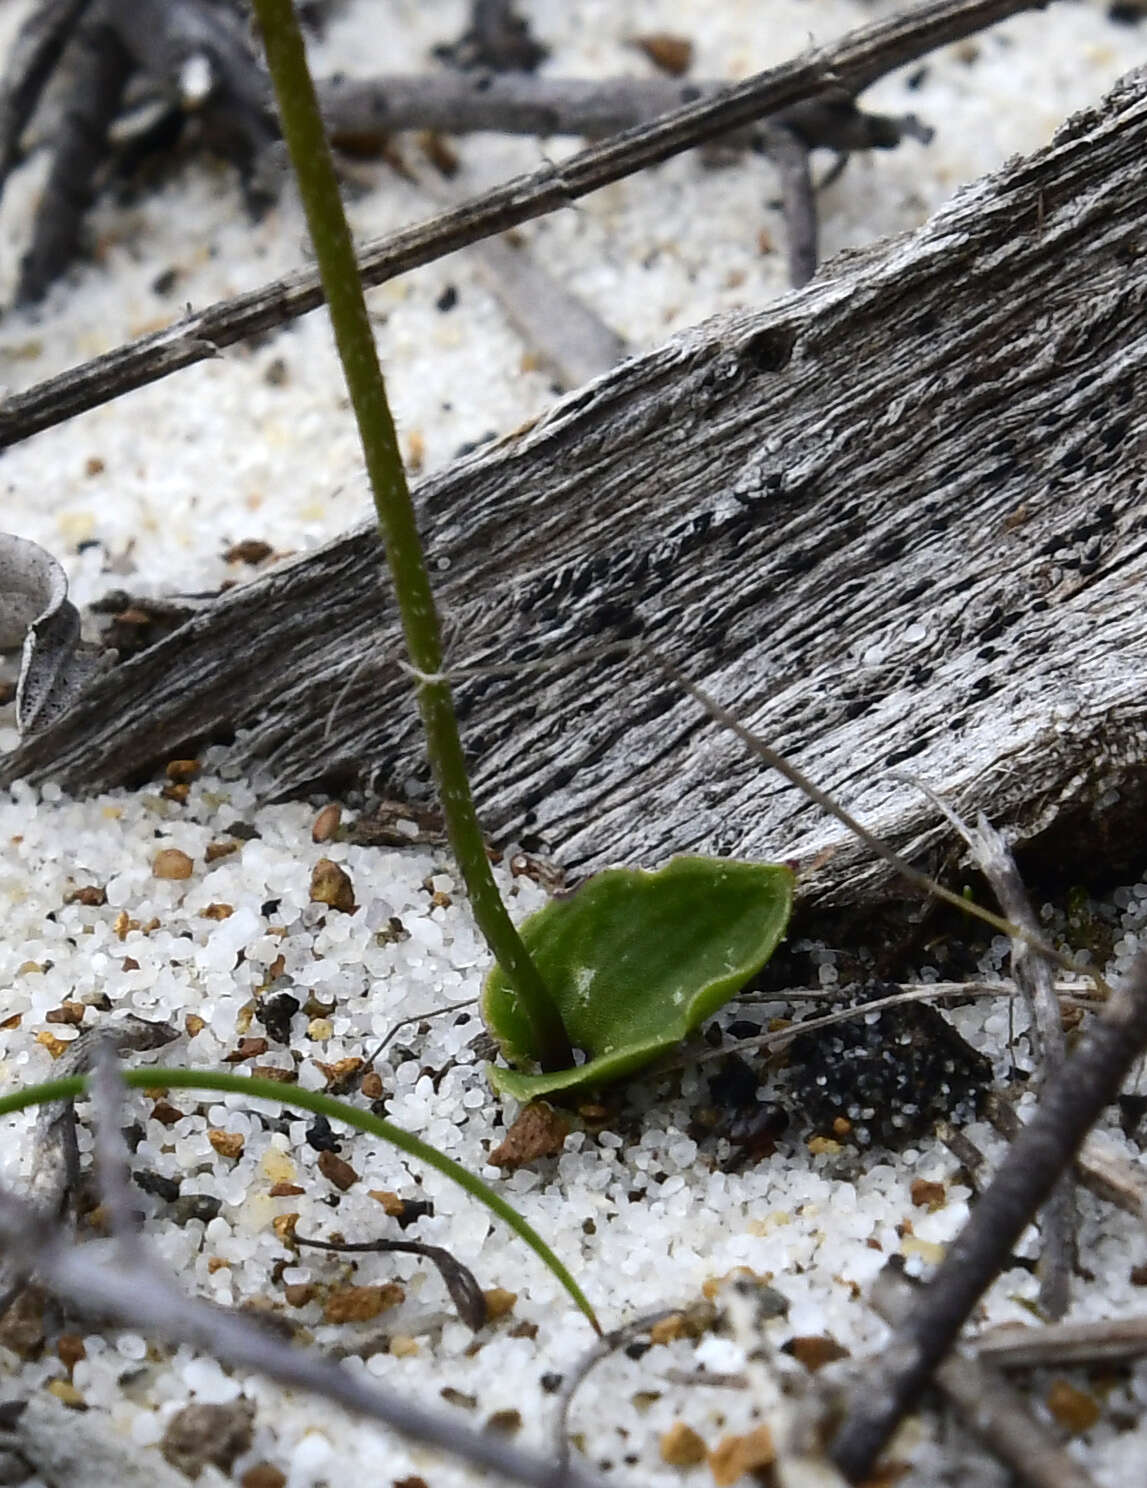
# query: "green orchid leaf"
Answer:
x=635 y=961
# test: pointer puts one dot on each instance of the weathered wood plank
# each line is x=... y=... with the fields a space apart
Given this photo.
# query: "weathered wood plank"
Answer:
x=895 y=520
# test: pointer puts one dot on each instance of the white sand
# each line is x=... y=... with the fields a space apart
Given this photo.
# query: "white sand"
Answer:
x=163 y=482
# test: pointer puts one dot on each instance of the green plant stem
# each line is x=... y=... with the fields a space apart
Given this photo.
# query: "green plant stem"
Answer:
x=334 y=1110
x=334 y=252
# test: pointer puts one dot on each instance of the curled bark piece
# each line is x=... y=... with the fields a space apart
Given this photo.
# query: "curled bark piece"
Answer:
x=35 y=612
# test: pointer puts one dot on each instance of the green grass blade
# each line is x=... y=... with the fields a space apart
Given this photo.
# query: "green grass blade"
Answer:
x=334 y=1110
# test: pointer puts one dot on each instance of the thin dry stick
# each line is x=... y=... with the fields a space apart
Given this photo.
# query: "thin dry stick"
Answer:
x=1070 y=1104
x=113 y=1171
x=1063 y=1345
x=853 y=63
x=141 y=1296
x=369 y=109
x=601 y=1349
x=1068 y=994
x=927 y=886
x=1100 y=1168
x=1032 y=972
x=780 y=1037
x=987 y=1403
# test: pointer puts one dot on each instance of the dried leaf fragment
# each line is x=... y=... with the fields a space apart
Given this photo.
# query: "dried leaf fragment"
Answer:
x=56 y=666
x=327 y=823
x=203 y=1434
x=499 y=1302
x=227 y=1144
x=538 y=1131
x=927 y=1194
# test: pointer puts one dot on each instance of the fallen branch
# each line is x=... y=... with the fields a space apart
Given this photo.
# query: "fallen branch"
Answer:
x=853 y=64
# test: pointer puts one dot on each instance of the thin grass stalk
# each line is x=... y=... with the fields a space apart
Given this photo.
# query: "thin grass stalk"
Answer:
x=255 y=1088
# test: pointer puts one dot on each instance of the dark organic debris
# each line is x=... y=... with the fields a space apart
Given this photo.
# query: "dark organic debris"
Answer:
x=884 y=1078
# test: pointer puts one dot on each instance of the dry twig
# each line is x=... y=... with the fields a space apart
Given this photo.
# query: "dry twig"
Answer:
x=1062 y=1345
x=1033 y=973
x=141 y=1296
x=853 y=63
x=987 y=1403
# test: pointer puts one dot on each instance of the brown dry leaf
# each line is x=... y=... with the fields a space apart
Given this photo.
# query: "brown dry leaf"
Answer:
x=284 y=1227
x=22 y=1326
x=340 y=1069
x=70 y=1350
x=263 y=1475
x=273 y=1072
x=203 y=1434
x=93 y=895
x=327 y=823
x=68 y=1012
x=246 y=1048
x=538 y=1131
x=251 y=550
x=928 y=1195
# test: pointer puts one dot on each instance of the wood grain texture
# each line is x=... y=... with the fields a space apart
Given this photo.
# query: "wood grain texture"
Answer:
x=896 y=521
